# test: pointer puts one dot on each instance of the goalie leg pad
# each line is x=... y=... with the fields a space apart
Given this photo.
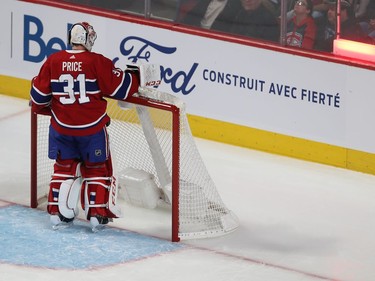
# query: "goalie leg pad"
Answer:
x=99 y=197
x=100 y=191
x=63 y=170
x=69 y=196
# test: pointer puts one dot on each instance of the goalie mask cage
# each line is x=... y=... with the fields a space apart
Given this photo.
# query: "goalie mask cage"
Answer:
x=150 y=132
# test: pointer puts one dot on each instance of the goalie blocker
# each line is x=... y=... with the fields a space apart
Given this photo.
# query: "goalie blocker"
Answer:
x=149 y=74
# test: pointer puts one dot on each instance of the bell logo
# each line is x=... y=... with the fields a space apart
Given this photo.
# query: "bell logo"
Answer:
x=35 y=49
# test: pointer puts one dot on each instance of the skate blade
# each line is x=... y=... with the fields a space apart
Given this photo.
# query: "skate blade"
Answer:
x=62 y=225
x=97 y=228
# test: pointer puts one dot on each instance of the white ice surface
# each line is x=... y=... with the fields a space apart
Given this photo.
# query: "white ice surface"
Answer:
x=299 y=221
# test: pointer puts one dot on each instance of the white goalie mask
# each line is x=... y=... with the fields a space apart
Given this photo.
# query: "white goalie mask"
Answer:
x=82 y=34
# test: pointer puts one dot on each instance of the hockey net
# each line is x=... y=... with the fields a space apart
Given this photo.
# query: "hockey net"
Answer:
x=155 y=153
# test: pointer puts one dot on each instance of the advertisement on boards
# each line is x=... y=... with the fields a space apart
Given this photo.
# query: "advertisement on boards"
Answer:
x=264 y=89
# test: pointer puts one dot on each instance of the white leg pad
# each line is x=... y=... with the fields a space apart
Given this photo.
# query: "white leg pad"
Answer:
x=69 y=196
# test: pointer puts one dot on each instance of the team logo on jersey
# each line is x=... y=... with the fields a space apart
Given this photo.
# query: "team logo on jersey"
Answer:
x=98 y=152
x=294 y=39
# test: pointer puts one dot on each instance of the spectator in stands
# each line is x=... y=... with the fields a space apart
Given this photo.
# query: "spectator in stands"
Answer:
x=371 y=5
x=301 y=29
x=200 y=13
x=360 y=8
x=190 y=12
x=349 y=27
x=368 y=25
x=248 y=18
x=214 y=9
x=319 y=8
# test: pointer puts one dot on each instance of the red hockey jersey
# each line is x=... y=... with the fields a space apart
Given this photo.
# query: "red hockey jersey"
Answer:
x=71 y=85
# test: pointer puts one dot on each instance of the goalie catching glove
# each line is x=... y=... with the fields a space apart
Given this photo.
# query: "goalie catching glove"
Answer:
x=149 y=74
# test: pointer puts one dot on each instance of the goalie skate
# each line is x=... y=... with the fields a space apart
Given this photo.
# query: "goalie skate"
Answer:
x=58 y=222
x=98 y=223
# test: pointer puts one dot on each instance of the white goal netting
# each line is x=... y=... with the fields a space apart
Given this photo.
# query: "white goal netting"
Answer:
x=144 y=142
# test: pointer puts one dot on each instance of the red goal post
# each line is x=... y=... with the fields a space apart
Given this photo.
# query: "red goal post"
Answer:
x=150 y=134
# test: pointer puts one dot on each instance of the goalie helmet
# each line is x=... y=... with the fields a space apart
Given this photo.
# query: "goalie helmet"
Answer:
x=82 y=34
